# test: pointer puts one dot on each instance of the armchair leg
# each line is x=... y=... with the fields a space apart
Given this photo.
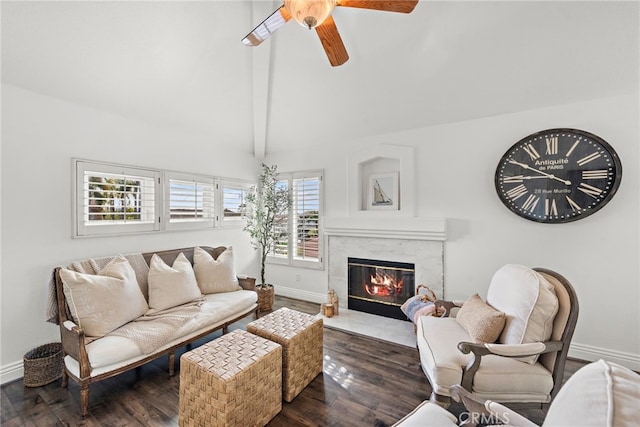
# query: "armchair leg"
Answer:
x=84 y=399
x=65 y=378
x=172 y=362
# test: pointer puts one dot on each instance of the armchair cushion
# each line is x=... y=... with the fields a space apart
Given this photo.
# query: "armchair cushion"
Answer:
x=483 y=322
x=529 y=302
x=428 y=414
x=599 y=394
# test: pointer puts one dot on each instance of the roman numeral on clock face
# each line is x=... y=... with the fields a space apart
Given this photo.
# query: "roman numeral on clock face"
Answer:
x=531 y=151
x=530 y=203
x=552 y=145
x=517 y=192
x=574 y=206
x=595 y=174
x=583 y=161
x=512 y=179
x=589 y=190
x=550 y=207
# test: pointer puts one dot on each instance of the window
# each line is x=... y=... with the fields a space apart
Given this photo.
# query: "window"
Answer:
x=112 y=199
x=190 y=201
x=234 y=202
x=301 y=242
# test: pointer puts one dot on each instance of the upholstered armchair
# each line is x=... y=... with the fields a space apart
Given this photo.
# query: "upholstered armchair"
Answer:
x=600 y=394
x=511 y=348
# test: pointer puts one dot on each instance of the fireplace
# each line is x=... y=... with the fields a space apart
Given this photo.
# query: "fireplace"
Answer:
x=379 y=287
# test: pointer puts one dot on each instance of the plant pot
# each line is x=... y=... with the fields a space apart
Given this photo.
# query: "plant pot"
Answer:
x=266 y=297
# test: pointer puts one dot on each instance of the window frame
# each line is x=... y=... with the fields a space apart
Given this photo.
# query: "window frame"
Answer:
x=82 y=228
x=290 y=259
x=207 y=222
x=232 y=222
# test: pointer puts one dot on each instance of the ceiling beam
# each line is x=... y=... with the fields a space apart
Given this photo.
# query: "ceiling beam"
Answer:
x=261 y=78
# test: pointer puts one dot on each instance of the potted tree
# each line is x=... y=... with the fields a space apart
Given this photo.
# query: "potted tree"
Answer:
x=267 y=217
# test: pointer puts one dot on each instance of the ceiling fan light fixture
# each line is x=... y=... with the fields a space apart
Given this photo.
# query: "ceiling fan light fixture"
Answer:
x=310 y=13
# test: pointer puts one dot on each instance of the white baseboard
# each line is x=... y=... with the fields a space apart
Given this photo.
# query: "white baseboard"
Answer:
x=11 y=372
x=592 y=354
x=302 y=295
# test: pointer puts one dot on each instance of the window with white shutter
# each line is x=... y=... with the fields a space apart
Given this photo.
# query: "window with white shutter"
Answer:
x=190 y=200
x=234 y=202
x=114 y=199
x=301 y=241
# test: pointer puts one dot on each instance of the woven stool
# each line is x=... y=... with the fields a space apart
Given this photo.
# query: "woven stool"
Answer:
x=235 y=380
x=300 y=335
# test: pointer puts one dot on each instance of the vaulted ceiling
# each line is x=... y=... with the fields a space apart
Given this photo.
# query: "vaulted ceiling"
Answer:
x=181 y=64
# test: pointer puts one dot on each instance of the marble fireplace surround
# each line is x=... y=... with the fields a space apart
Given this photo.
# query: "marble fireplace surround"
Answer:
x=402 y=239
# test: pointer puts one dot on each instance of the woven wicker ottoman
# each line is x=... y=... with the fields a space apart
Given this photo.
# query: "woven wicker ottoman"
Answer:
x=235 y=380
x=301 y=338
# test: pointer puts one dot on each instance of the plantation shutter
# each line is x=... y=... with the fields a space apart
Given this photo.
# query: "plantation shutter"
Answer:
x=306 y=217
x=113 y=199
x=191 y=201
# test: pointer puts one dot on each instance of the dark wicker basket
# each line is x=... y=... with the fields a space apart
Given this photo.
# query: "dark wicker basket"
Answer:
x=266 y=297
x=43 y=365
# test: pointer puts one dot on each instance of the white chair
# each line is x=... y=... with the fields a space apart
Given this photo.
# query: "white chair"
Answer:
x=600 y=394
x=525 y=326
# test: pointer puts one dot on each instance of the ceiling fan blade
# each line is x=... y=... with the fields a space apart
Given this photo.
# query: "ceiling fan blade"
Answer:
x=402 y=6
x=267 y=27
x=332 y=42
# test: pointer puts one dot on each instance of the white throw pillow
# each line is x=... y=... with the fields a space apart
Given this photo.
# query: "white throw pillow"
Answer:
x=529 y=302
x=104 y=302
x=171 y=286
x=215 y=275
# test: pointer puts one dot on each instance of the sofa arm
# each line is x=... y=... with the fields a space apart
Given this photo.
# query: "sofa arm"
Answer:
x=507 y=416
x=247 y=283
x=73 y=344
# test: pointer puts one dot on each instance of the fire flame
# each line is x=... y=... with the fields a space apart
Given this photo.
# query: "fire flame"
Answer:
x=383 y=285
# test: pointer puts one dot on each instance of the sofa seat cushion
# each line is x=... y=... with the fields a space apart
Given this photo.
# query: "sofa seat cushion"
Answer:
x=216 y=309
x=442 y=362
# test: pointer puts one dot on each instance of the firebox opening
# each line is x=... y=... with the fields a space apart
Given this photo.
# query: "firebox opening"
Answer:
x=380 y=287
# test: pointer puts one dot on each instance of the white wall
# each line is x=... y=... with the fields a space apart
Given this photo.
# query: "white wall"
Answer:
x=455 y=169
x=40 y=135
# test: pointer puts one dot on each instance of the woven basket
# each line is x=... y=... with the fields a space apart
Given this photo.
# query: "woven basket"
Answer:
x=42 y=365
x=266 y=297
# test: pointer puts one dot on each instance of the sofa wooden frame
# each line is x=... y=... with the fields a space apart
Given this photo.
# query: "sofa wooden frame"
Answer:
x=73 y=340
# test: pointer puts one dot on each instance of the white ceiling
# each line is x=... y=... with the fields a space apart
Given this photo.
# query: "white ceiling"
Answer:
x=181 y=64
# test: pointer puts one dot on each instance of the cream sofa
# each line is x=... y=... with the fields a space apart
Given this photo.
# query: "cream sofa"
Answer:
x=600 y=394
x=177 y=301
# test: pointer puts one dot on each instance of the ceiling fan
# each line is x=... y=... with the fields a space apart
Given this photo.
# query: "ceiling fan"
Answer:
x=317 y=14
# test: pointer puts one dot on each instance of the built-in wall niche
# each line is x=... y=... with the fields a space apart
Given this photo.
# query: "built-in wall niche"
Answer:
x=381 y=181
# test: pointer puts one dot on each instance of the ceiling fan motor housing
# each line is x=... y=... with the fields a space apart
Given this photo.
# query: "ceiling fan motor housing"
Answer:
x=310 y=13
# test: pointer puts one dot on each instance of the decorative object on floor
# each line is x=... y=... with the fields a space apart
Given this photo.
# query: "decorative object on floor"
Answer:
x=42 y=365
x=332 y=298
x=421 y=304
x=317 y=14
x=558 y=175
x=267 y=215
x=235 y=380
x=327 y=309
x=527 y=361
x=598 y=394
x=301 y=338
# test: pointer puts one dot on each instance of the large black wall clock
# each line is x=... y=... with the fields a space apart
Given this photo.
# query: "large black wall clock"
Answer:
x=558 y=175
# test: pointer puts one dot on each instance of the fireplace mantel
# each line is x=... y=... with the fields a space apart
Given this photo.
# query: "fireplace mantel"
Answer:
x=390 y=227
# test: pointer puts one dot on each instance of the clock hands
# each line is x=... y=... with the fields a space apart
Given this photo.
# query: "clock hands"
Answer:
x=546 y=175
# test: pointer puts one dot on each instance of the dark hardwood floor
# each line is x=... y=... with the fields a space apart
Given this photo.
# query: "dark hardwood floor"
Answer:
x=365 y=383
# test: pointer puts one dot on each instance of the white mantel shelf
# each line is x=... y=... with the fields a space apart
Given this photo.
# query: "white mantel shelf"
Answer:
x=389 y=227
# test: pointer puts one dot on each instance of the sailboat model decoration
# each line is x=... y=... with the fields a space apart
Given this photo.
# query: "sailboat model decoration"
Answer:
x=383 y=192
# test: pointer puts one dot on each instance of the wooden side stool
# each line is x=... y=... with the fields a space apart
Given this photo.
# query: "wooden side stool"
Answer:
x=235 y=380
x=301 y=337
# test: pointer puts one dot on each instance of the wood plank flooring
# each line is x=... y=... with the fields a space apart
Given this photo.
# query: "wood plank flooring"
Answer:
x=365 y=383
